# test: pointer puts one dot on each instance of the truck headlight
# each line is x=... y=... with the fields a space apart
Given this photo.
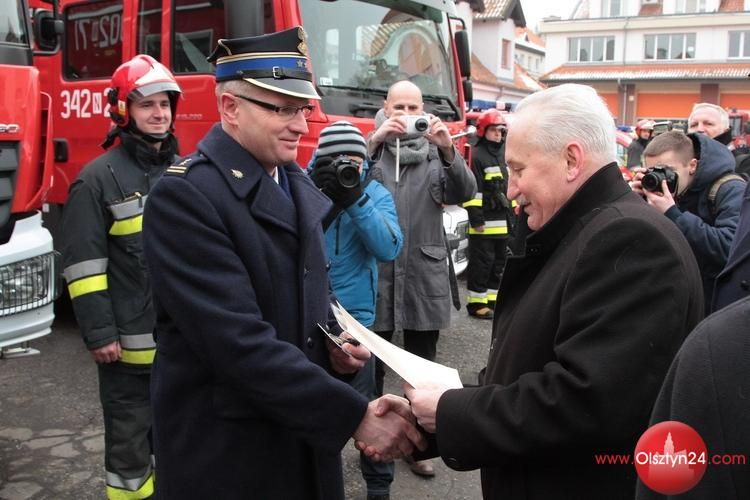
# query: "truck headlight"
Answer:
x=28 y=284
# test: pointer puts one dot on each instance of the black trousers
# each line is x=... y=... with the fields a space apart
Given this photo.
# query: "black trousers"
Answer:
x=126 y=402
x=486 y=263
x=423 y=343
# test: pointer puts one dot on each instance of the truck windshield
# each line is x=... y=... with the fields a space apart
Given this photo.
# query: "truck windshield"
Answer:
x=12 y=25
x=358 y=49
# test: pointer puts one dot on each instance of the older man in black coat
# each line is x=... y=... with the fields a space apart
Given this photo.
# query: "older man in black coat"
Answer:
x=588 y=322
x=247 y=398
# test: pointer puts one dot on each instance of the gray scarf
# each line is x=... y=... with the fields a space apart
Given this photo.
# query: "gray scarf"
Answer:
x=413 y=148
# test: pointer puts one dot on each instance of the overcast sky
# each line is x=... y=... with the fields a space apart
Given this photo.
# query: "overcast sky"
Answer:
x=535 y=10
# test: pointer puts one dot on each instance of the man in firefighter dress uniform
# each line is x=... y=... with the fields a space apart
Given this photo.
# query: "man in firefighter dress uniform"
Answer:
x=105 y=268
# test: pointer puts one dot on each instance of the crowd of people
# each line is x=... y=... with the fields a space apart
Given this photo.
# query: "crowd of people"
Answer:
x=229 y=377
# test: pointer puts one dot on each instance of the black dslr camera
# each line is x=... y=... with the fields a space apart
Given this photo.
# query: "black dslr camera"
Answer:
x=347 y=172
x=651 y=180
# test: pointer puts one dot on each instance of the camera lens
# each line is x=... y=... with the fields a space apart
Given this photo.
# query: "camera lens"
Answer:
x=347 y=175
x=421 y=124
x=651 y=181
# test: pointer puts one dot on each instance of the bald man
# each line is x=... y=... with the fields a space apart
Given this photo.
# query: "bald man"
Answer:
x=423 y=171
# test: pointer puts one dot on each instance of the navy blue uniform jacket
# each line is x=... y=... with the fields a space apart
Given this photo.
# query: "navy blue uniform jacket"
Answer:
x=244 y=404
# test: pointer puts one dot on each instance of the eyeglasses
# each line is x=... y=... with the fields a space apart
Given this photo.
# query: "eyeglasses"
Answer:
x=286 y=112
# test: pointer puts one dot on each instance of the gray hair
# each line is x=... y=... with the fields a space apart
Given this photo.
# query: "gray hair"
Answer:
x=570 y=112
x=723 y=115
x=232 y=86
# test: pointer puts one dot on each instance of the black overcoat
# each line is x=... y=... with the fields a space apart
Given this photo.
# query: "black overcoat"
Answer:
x=733 y=282
x=244 y=405
x=707 y=388
x=586 y=325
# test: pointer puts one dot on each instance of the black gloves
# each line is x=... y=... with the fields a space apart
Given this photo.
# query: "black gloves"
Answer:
x=324 y=175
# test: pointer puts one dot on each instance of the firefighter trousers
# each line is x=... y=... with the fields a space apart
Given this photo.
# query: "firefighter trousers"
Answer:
x=128 y=454
x=484 y=270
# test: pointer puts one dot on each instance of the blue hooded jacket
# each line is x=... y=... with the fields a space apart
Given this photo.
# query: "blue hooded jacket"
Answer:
x=709 y=235
x=360 y=236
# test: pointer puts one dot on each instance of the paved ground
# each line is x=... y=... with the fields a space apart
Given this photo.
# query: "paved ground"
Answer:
x=51 y=434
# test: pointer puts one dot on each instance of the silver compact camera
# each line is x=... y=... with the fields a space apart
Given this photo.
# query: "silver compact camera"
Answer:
x=417 y=124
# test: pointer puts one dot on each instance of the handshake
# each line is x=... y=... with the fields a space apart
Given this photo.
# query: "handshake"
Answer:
x=388 y=430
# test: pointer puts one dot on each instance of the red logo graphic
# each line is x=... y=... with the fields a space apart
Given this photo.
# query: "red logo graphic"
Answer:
x=670 y=458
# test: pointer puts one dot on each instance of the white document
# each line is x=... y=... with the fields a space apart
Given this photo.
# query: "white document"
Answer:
x=419 y=372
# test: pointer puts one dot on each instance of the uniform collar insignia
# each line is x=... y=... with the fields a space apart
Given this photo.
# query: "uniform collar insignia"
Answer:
x=237 y=174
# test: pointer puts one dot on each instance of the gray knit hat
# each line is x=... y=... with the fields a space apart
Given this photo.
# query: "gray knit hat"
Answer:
x=341 y=138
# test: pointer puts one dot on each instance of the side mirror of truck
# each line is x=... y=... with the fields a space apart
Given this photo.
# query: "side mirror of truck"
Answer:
x=47 y=30
x=468 y=90
x=464 y=54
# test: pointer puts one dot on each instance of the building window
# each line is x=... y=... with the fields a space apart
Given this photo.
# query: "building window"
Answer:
x=505 y=61
x=611 y=8
x=739 y=44
x=672 y=46
x=690 y=6
x=591 y=49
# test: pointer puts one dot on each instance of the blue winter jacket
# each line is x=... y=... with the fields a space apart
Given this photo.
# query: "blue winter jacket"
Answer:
x=710 y=235
x=360 y=236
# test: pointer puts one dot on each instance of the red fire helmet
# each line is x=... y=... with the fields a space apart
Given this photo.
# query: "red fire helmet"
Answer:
x=644 y=125
x=488 y=118
x=142 y=76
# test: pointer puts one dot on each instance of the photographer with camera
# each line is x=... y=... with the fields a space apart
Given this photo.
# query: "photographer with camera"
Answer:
x=414 y=157
x=690 y=179
x=361 y=230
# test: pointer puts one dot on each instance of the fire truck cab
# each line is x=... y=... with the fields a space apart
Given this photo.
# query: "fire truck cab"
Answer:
x=739 y=124
x=357 y=49
x=28 y=264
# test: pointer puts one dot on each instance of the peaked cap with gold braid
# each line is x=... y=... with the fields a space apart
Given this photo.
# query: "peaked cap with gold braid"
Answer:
x=276 y=62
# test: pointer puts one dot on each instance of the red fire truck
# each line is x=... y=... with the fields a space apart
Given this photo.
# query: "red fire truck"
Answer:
x=28 y=266
x=740 y=127
x=358 y=48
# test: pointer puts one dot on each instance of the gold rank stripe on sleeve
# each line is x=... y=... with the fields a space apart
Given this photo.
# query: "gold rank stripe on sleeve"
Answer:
x=180 y=168
x=176 y=169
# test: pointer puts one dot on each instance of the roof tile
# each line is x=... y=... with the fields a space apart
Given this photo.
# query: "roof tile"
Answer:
x=671 y=71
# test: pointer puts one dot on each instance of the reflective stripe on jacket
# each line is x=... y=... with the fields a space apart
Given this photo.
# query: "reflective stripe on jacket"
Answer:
x=103 y=255
x=490 y=206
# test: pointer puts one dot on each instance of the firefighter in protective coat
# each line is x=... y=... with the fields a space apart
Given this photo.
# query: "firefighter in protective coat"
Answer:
x=490 y=215
x=105 y=269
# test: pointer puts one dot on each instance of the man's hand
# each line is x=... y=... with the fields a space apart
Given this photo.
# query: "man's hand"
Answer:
x=393 y=127
x=479 y=229
x=326 y=179
x=348 y=358
x=440 y=136
x=388 y=430
x=661 y=201
x=635 y=184
x=107 y=353
x=424 y=404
